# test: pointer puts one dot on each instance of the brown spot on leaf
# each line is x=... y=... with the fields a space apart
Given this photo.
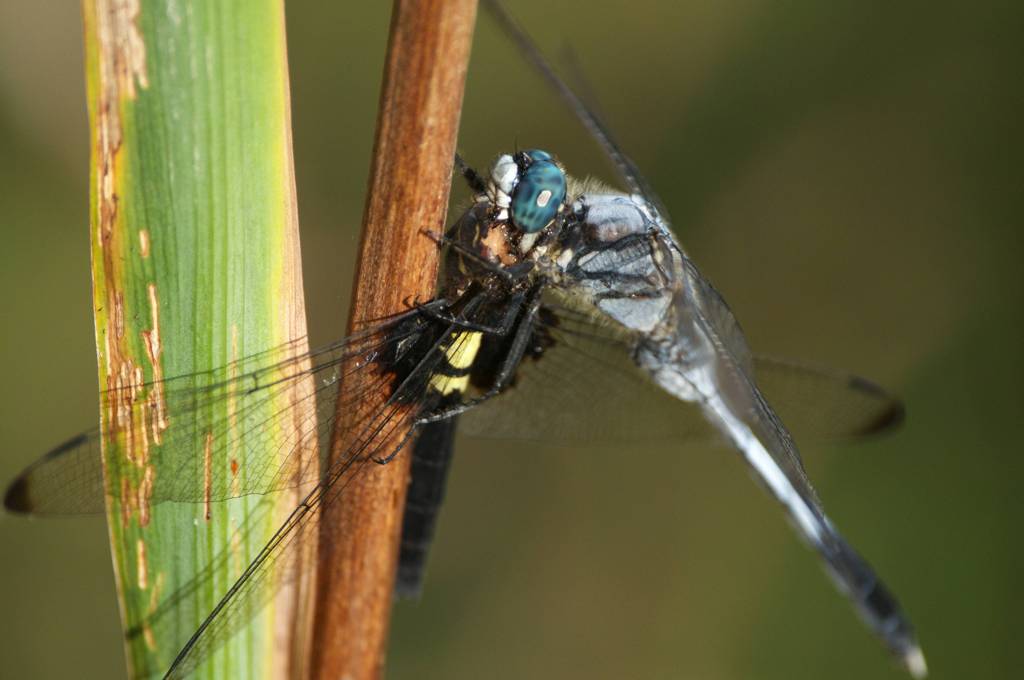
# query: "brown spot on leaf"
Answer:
x=144 y=243
x=148 y=637
x=118 y=315
x=154 y=349
x=145 y=626
x=121 y=64
x=146 y=494
x=233 y=409
x=127 y=501
x=154 y=603
x=142 y=565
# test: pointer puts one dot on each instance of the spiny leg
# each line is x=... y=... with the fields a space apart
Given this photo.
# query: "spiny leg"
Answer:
x=501 y=329
x=508 y=368
x=509 y=274
x=472 y=177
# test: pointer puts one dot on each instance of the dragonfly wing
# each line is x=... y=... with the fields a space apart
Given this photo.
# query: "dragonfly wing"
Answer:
x=66 y=480
x=733 y=403
x=627 y=169
x=585 y=387
x=289 y=552
x=379 y=429
x=817 y=403
x=222 y=415
x=823 y=404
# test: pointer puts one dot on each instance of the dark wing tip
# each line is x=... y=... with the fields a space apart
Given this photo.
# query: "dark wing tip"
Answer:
x=889 y=418
x=63 y=448
x=17 y=498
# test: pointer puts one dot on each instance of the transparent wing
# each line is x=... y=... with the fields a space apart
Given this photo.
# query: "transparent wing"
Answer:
x=585 y=387
x=825 y=404
x=730 y=398
x=815 y=402
x=582 y=387
x=382 y=426
x=383 y=375
x=194 y=426
x=624 y=165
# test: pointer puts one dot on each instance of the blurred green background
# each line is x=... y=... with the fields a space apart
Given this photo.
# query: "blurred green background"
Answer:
x=847 y=173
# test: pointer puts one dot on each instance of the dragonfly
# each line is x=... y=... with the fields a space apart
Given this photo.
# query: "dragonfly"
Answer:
x=568 y=311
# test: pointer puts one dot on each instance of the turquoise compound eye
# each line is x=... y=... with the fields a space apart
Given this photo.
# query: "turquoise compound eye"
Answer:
x=538 y=155
x=539 y=192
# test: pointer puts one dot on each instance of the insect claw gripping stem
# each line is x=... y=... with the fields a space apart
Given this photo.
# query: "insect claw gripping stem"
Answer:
x=437 y=238
x=413 y=302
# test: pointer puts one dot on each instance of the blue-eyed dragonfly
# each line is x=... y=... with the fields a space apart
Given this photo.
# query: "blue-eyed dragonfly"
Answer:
x=554 y=292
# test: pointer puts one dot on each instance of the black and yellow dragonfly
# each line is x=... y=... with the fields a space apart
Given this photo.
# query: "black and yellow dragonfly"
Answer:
x=567 y=312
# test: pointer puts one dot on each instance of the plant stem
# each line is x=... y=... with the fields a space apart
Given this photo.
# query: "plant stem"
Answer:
x=417 y=126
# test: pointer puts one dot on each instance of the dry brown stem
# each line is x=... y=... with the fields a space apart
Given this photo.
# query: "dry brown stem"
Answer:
x=421 y=99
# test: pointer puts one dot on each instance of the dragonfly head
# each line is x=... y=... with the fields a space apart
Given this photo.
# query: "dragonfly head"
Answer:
x=531 y=186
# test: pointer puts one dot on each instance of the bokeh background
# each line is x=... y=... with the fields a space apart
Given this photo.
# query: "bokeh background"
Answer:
x=847 y=173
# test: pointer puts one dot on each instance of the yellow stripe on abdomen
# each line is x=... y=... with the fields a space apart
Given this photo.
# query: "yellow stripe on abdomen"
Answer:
x=460 y=355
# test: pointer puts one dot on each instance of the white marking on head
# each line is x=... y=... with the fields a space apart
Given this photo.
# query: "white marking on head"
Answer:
x=503 y=180
x=543 y=198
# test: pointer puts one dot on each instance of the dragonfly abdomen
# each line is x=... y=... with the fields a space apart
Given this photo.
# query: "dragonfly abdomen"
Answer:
x=431 y=461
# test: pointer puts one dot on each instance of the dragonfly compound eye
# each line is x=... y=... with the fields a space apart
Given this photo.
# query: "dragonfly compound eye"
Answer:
x=539 y=193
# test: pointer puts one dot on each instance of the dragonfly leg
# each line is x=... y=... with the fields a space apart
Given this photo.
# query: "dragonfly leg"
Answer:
x=384 y=460
x=472 y=302
x=437 y=310
x=472 y=177
x=510 y=273
x=508 y=367
x=428 y=309
x=502 y=328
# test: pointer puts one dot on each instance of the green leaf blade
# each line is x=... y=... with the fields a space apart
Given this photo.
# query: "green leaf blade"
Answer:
x=195 y=265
